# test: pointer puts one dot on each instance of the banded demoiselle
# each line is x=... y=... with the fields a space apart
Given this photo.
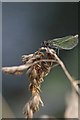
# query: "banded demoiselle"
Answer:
x=65 y=43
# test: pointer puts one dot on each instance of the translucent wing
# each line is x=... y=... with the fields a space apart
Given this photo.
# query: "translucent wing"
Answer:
x=66 y=43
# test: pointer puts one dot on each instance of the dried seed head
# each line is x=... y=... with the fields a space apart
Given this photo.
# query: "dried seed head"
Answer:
x=36 y=74
x=38 y=71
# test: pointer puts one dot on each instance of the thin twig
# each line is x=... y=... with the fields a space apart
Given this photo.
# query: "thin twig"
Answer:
x=70 y=78
x=21 y=68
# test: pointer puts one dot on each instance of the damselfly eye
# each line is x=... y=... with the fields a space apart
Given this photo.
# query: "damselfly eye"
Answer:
x=47 y=44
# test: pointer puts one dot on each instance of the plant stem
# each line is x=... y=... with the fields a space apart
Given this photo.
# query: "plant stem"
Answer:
x=73 y=82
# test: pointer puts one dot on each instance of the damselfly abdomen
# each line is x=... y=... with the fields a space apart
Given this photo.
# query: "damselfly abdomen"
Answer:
x=66 y=43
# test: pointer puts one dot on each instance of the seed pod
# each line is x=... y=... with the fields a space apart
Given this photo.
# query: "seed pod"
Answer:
x=33 y=73
x=25 y=58
x=29 y=70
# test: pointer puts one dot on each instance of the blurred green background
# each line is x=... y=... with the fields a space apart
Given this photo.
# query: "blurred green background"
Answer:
x=25 y=26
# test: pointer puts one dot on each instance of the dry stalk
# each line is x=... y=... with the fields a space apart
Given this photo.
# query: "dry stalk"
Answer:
x=70 y=78
x=37 y=66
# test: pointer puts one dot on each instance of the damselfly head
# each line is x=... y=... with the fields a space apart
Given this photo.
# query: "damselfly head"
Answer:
x=45 y=44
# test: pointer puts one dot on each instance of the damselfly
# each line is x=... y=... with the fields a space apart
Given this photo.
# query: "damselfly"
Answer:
x=65 y=43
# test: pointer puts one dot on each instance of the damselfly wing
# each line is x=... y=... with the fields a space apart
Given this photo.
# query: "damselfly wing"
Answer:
x=66 y=43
